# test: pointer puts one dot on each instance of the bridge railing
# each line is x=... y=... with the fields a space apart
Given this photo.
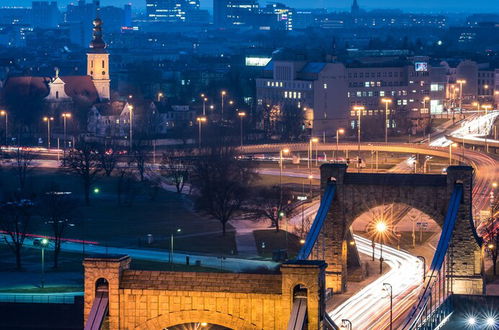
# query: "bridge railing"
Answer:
x=437 y=287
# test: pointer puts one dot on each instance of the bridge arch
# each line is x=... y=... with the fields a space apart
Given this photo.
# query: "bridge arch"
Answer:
x=196 y=316
x=357 y=193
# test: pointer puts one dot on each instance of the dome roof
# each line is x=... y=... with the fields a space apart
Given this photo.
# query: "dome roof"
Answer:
x=97 y=42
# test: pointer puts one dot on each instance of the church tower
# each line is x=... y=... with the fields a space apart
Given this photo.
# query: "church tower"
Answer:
x=355 y=9
x=98 y=62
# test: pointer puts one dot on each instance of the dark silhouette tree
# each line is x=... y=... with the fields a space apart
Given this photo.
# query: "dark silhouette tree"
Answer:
x=176 y=170
x=83 y=161
x=15 y=218
x=57 y=209
x=273 y=204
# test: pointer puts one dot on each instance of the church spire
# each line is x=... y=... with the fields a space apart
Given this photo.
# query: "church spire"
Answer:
x=355 y=9
x=97 y=43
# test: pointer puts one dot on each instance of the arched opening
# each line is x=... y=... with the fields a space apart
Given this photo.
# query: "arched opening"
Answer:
x=299 y=313
x=197 y=326
x=300 y=291
x=387 y=247
x=101 y=286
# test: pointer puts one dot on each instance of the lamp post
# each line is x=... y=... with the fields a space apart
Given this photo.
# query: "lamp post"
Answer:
x=312 y=140
x=160 y=96
x=486 y=107
x=241 y=115
x=359 y=109
x=48 y=120
x=44 y=242
x=381 y=228
x=338 y=132
x=346 y=324
x=4 y=113
x=171 y=246
x=310 y=177
x=388 y=287
x=386 y=101
x=461 y=82
x=205 y=99
x=450 y=152
x=477 y=105
x=130 y=112
x=281 y=152
x=200 y=120
x=223 y=96
x=65 y=116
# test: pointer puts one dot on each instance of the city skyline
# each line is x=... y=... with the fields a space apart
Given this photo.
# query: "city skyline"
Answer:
x=421 y=6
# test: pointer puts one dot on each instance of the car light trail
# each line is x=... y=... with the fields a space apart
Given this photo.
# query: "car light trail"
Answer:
x=369 y=308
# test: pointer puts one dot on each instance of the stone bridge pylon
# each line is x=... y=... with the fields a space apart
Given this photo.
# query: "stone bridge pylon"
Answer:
x=357 y=193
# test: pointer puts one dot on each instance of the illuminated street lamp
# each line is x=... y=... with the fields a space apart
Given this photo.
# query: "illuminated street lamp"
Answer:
x=461 y=82
x=65 y=116
x=48 y=120
x=223 y=96
x=338 y=132
x=381 y=228
x=386 y=101
x=312 y=140
x=4 y=113
x=200 y=120
x=130 y=112
x=160 y=96
x=281 y=152
x=359 y=109
x=43 y=243
x=241 y=115
x=486 y=107
x=477 y=105
x=171 y=246
x=450 y=152
x=388 y=287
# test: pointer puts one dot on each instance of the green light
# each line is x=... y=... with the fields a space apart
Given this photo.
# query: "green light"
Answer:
x=281 y=214
x=45 y=241
x=96 y=190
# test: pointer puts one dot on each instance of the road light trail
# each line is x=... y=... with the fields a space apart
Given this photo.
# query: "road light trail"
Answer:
x=368 y=308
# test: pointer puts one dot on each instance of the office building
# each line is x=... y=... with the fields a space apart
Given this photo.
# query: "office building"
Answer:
x=234 y=12
x=45 y=14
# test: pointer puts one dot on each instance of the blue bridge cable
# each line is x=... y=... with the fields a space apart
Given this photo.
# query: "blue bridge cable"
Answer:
x=318 y=223
x=440 y=253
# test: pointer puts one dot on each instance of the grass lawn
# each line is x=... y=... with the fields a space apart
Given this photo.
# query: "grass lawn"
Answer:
x=109 y=223
x=275 y=241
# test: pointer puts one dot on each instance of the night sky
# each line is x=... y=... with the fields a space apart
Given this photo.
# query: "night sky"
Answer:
x=412 y=5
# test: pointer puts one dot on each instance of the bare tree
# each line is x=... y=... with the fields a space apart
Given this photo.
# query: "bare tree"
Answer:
x=175 y=169
x=108 y=158
x=15 y=219
x=273 y=204
x=84 y=162
x=57 y=209
x=22 y=165
x=221 y=183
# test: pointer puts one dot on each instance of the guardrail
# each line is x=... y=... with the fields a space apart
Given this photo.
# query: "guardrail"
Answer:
x=40 y=298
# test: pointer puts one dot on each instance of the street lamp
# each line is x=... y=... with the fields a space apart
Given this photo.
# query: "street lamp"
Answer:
x=205 y=99
x=381 y=228
x=450 y=152
x=171 y=246
x=130 y=112
x=241 y=115
x=48 y=120
x=65 y=116
x=338 y=132
x=223 y=96
x=346 y=324
x=486 y=107
x=359 y=109
x=386 y=101
x=388 y=287
x=461 y=82
x=281 y=152
x=200 y=120
x=44 y=242
x=4 y=113
x=312 y=140
x=477 y=105
x=310 y=177
x=160 y=96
